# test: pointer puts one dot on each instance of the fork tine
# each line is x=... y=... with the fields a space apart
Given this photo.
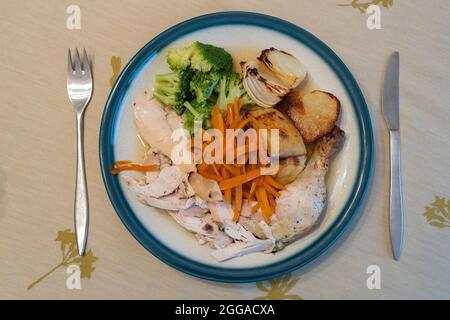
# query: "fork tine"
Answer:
x=69 y=63
x=86 y=63
x=77 y=62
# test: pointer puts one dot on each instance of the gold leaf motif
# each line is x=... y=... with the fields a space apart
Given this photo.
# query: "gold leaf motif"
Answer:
x=278 y=288
x=362 y=6
x=69 y=256
x=116 y=64
x=438 y=213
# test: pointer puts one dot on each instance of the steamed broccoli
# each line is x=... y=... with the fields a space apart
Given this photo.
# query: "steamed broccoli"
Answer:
x=196 y=111
x=172 y=89
x=200 y=57
x=206 y=57
x=229 y=89
x=179 y=58
x=202 y=85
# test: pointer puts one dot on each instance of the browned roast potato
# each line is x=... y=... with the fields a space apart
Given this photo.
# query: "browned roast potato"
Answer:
x=314 y=114
x=291 y=142
x=290 y=168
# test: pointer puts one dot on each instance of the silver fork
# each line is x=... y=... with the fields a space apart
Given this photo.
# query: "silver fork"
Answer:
x=79 y=88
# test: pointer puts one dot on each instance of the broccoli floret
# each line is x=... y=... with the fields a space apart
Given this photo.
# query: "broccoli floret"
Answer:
x=229 y=89
x=172 y=89
x=200 y=57
x=179 y=58
x=202 y=85
x=197 y=112
x=206 y=57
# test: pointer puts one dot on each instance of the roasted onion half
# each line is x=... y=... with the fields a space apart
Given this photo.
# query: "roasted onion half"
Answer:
x=264 y=89
x=276 y=74
x=284 y=65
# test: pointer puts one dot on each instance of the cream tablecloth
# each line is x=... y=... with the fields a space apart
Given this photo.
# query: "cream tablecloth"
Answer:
x=37 y=151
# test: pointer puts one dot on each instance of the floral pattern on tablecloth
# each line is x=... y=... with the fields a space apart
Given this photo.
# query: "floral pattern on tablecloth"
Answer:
x=437 y=213
x=363 y=5
x=278 y=288
x=69 y=256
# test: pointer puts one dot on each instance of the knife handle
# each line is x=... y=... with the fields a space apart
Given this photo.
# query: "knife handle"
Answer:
x=396 y=198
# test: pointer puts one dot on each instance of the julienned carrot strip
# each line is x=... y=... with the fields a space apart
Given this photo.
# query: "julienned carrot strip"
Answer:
x=202 y=167
x=237 y=202
x=270 y=189
x=211 y=176
x=216 y=170
x=239 y=180
x=134 y=167
x=271 y=202
x=263 y=201
x=234 y=171
x=240 y=124
x=271 y=181
x=252 y=190
x=226 y=193
x=229 y=115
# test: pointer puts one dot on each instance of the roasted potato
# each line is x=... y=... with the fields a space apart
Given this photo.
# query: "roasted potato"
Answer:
x=289 y=169
x=290 y=141
x=314 y=114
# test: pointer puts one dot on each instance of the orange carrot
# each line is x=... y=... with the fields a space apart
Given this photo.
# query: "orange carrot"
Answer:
x=226 y=193
x=271 y=181
x=211 y=176
x=216 y=169
x=252 y=190
x=263 y=201
x=239 y=180
x=234 y=171
x=241 y=124
x=237 y=202
x=271 y=202
x=270 y=189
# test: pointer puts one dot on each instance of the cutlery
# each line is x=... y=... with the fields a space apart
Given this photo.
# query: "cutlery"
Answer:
x=79 y=88
x=390 y=105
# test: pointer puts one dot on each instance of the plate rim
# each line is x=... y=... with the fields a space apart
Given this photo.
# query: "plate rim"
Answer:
x=236 y=275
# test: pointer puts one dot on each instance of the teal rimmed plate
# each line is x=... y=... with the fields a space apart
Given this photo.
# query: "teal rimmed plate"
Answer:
x=244 y=34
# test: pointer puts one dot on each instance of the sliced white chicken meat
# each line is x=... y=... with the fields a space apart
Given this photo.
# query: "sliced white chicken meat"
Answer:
x=204 y=228
x=156 y=124
x=220 y=211
x=252 y=220
x=169 y=179
x=302 y=203
x=173 y=201
x=244 y=242
x=205 y=188
x=194 y=211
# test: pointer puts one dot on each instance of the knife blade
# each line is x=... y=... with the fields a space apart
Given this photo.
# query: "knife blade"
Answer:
x=390 y=96
x=390 y=106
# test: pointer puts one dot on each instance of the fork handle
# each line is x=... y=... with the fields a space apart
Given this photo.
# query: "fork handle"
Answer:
x=396 y=198
x=81 y=195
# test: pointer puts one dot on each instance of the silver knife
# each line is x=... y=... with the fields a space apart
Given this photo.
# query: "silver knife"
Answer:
x=390 y=104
